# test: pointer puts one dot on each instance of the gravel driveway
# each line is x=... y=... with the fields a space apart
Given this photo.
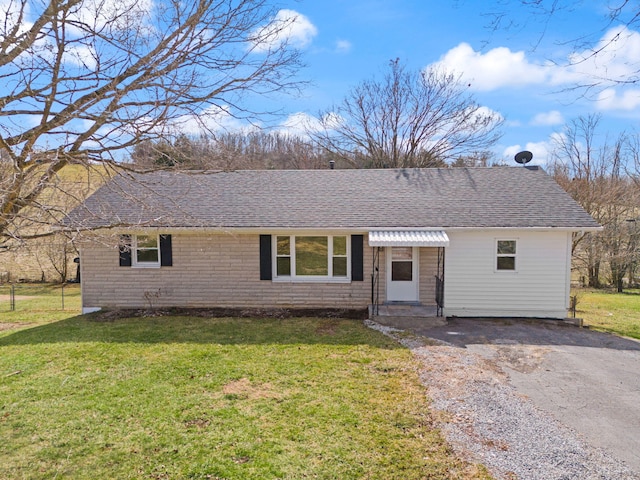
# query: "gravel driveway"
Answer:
x=533 y=399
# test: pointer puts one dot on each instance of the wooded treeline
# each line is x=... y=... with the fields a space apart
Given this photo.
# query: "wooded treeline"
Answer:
x=267 y=151
x=231 y=151
x=603 y=176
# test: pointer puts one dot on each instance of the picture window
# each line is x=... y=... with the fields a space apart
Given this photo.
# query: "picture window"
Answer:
x=311 y=257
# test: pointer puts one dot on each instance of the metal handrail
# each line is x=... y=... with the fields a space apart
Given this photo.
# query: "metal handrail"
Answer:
x=375 y=280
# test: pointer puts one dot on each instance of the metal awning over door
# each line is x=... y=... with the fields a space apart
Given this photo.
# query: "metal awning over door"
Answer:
x=408 y=238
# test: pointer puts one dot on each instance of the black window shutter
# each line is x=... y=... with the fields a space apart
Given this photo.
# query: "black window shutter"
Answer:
x=166 y=253
x=357 y=258
x=265 y=257
x=125 y=250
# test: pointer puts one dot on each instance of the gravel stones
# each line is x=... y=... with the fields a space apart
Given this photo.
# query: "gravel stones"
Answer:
x=487 y=421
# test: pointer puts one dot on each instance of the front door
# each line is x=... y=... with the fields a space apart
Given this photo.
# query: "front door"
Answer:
x=402 y=274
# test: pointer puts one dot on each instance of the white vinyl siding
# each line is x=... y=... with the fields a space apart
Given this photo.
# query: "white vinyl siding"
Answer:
x=538 y=288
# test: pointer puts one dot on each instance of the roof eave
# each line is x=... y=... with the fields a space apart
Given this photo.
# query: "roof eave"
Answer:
x=329 y=228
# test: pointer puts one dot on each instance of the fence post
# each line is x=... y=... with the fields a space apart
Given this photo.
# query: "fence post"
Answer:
x=63 y=296
x=12 y=298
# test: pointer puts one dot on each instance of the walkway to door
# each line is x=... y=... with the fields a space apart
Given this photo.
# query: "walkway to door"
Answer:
x=407 y=317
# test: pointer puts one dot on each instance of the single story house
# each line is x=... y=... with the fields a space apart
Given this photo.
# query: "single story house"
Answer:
x=472 y=241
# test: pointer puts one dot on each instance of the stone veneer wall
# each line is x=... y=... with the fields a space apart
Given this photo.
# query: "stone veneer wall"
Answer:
x=218 y=270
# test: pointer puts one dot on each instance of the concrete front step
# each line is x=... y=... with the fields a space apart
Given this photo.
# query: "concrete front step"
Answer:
x=409 y=323
x=403 y=310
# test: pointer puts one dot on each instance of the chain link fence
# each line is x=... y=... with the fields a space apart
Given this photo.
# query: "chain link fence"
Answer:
x=17 y=296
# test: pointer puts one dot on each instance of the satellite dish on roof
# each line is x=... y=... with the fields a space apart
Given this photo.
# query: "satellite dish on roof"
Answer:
x=523 y=157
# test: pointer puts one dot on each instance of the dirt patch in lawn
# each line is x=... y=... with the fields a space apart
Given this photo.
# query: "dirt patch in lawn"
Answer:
x=10 y=326
x=245 y=389
x=6 y=298
x=328 y=327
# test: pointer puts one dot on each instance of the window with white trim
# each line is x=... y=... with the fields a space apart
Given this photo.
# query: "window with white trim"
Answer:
x=506 y=255
x=312 y=257
x=145 y=251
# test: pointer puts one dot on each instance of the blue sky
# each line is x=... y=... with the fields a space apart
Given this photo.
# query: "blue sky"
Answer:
x=510 y=70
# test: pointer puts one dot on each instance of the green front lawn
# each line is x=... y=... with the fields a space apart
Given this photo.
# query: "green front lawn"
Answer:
x=611 y=312
x=199 y=398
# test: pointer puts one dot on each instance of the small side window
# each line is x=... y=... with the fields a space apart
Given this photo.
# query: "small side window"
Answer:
x=145 y=251
x=506 y=255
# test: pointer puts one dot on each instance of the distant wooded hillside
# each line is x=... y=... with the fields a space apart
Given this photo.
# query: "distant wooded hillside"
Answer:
x=38 y=251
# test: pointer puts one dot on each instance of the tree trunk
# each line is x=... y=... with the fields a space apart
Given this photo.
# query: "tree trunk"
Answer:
x=594 y=275
x=617 y=275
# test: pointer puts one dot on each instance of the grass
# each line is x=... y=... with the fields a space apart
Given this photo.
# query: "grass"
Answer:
x=38 y=303
x=609 y=311
x=203 y=398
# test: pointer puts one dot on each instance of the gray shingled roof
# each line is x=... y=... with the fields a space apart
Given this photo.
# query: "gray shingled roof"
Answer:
x=513 y=197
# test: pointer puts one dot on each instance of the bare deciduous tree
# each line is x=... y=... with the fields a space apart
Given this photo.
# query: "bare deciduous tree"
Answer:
x=591 y=170
x=406 y=119
x=85 y=80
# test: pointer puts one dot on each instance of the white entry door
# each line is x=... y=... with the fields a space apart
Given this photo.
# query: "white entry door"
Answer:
x=402 y=274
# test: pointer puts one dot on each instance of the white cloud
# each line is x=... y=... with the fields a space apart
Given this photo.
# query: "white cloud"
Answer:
x=11 y=13
x=116 y=14
x=541 y=151
x=554 y=117
x=616 y=61
x=211 y=119
x=343 y=46
x=611 y=99
x=499 y=67
x=480 y=115
x=332 y=121
x=614 y=65
x=81 y=56
x=617 y=57
x=289 y=27
x=300 y=123
x=488 y=112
